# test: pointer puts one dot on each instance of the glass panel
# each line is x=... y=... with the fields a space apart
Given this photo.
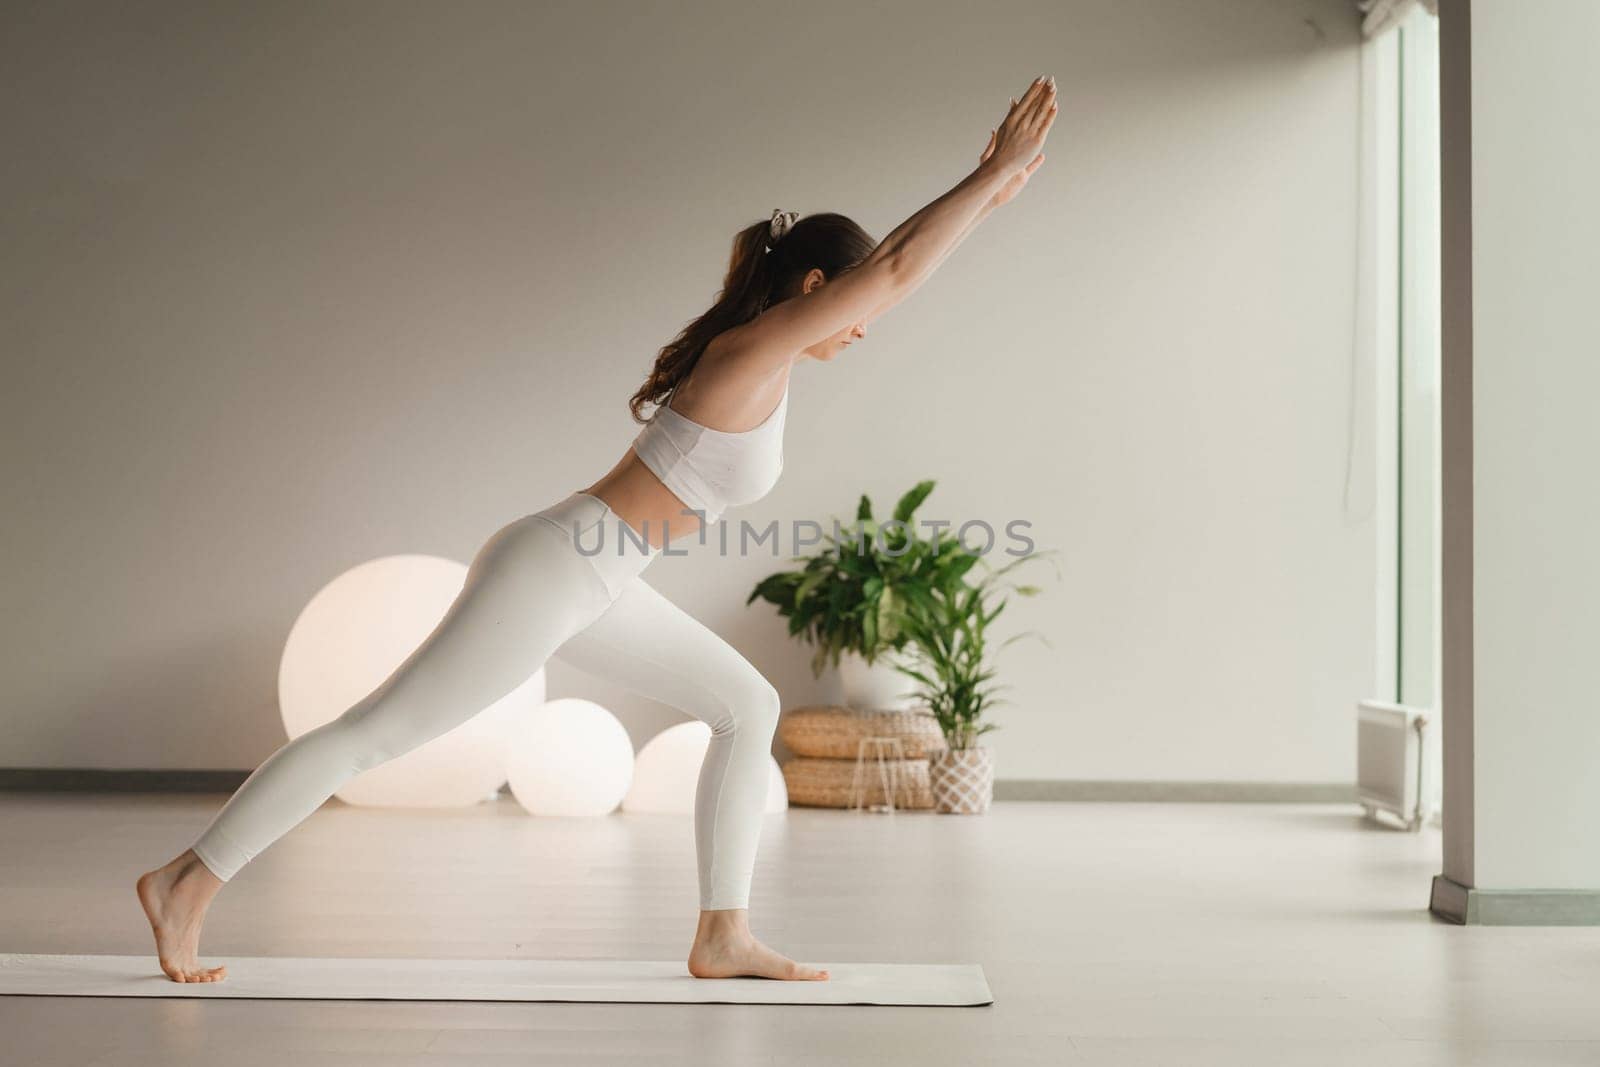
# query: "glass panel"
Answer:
x=1419 y=360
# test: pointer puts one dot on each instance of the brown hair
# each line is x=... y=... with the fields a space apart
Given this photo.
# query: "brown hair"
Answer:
x=757 y=279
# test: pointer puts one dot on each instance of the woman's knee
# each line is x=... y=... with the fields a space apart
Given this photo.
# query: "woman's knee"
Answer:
x=371 y=739
x=751 y=707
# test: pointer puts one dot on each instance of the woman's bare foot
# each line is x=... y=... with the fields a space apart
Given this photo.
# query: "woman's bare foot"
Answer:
x=175 y=898
x=724 y=947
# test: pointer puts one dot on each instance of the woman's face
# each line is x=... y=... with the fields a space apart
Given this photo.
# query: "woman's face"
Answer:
x=829 y=349
x=836 y=344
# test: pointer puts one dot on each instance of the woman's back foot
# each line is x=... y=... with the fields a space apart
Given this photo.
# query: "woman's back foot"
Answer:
x=741 y=955
x=175 y=898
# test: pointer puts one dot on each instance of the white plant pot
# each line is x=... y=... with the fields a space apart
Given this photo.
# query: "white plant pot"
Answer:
x=875 y=687
x=962 y=780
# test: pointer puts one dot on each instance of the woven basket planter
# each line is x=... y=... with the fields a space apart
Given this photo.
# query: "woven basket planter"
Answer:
x=962 y=780
x=825 y=783
x=826 y=731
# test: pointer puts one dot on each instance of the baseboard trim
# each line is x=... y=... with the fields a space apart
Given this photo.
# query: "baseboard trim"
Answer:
x=1466 y=906
x=1175 y=792
x=94 y=780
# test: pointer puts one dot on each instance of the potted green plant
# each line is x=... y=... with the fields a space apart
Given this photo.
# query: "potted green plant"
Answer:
x=948 y=632
x=848 y=600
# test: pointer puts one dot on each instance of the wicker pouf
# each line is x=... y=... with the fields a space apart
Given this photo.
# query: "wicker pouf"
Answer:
x=825 y=783
x=826 y=731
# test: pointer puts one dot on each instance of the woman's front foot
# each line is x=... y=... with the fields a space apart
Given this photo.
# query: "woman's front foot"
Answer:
x=175 y=898
x=724 y=947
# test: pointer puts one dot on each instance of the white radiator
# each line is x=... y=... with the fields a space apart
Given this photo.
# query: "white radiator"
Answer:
x=1398 y=761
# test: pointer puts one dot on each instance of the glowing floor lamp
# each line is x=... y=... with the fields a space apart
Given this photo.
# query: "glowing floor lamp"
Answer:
x=667 y=770
x=570 y=757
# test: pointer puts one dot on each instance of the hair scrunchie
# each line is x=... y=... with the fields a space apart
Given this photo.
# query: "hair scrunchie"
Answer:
x=782 y=222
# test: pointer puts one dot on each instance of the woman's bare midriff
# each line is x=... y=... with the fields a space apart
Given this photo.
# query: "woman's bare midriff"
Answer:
x=639 y=499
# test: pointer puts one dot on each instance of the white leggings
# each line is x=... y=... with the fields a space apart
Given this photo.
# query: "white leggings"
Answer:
x=539 y=587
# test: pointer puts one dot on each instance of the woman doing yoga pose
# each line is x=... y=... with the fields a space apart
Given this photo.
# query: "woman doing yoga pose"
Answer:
x=796 y=288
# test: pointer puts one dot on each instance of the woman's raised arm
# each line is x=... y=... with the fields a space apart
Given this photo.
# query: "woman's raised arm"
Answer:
x=918 y=245
x=913 y=250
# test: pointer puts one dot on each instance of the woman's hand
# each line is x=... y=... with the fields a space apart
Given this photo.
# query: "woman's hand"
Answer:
x=1018 y=180
x=1014 y=146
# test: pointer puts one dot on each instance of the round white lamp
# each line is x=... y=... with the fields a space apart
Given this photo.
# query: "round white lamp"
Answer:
x=667 y=770
x=570 y=757
x=350 y=637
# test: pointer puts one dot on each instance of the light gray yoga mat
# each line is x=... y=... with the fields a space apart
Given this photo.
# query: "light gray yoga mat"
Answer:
x=636 y=981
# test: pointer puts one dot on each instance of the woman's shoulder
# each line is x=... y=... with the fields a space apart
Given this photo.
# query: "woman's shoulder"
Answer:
x=724 y=389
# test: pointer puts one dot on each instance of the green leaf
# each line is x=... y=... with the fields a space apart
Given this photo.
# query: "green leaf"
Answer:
x=888 y=616
x=807 y=586
x=912 y=501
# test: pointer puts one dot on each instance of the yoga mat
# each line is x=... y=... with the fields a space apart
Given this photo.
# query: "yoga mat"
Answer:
x=626 y=981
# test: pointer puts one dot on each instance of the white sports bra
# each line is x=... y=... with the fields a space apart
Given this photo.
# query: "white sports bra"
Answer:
x=711 y=470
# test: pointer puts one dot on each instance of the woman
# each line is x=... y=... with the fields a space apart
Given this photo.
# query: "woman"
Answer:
x=795 y=289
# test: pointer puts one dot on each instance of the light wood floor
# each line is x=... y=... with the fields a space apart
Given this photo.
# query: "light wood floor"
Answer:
x=1111 y=934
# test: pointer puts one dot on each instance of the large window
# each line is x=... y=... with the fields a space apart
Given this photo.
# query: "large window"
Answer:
x=1400 y=328
x=1417 y=392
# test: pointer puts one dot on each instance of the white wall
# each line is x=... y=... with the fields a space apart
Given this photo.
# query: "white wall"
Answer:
x=1522 y=728
x=291 y=287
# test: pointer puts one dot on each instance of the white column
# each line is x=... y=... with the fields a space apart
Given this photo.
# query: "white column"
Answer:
x=1520 y=163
